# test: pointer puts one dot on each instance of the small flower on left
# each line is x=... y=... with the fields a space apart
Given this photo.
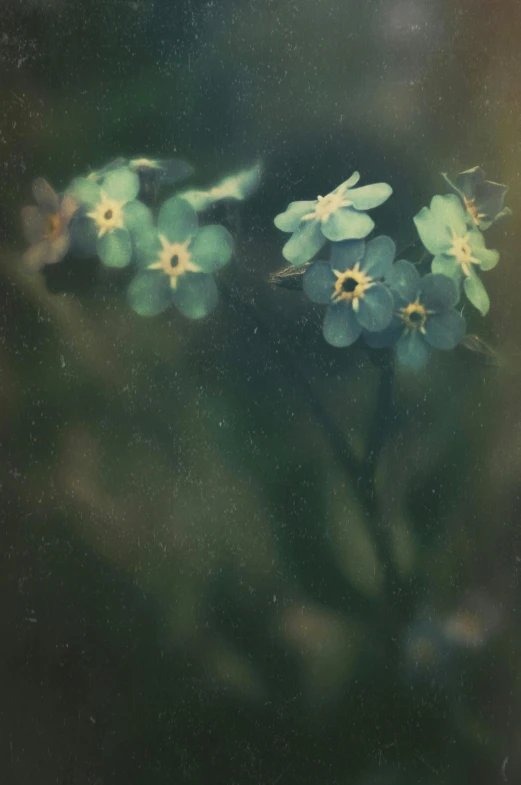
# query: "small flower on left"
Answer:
x=46 y=225
x=114 y=212
x=177 y=260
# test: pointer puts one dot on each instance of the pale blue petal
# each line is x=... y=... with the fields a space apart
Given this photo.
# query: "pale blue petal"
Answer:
x=289 y=220
x=115 y=248
x=369 y=196
x=346 y=224
x=319 y=282
x=85 y=192
x=341 y=327
x=378 y=257
x=147 y=247
x=477 y=293
x=435 y=236
x=304 y=243
x=350 y=183
x=411 y=351
x=445 y=330
x=196 y=295
x=448 y=211
x=488 y=258
x=437 y=292
x=387 y=337
x=212 y=248
x=137 y=217
x=375 y=309
x=404 y=279
x=447 y=265
x=345 y=255
x=149 y=293
x=177 y=220
x=121 y=184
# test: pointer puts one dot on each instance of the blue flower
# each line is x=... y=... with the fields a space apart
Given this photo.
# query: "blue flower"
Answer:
x=112 y=211
x=457 y=248
x=483 y=200
x=424 y=316
x=351 y=286
x=176 y=261
x=338 y=216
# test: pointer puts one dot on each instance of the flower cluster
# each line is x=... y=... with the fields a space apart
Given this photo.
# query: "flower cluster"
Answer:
x=390 y=303
x=107 y=214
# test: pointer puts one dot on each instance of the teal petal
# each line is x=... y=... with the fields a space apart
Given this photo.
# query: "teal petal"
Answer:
x=350 y=183
x=378 y=257
x=346 y=224
x=488 y=258
x=341 y=327
x=436 y=237
x=404 y=280
x=149 y=293
x=445 y=330
x=411 y=351
x=448 y=266
x=375 y=309
x=147 y=247
x=196 y=295
x=319 y=282
x=304 y=243
x=467 y=182
x=115 y=248
x=369 y=196
x=477 y=293
x=387 y=337
x=177 y=220
x=345 y=255
x=448 y=210
x=85 y=193
x=437 y=292
x=137 y=217
x=212 y=248
x=84 y=236
x=289 y=220
x=121 y=184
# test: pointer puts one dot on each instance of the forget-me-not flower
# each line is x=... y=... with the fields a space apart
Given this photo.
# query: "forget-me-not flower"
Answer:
x=338 y=216
x=483 y=200
x=351 y=286
x=46 y=225
x=424 y=316
x=458 y=248
x=177 y=260
x=113 y=211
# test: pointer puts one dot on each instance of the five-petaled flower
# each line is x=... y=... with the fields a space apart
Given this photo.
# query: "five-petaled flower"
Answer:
x=424 y=316
x=351 y=286
x=112 y=209
x=46 y=226
x=483 y=200
x=458 y=248
x=338 y=216
x=176 y=261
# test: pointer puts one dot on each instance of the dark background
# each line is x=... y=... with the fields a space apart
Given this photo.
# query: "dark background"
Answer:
x=188 y=580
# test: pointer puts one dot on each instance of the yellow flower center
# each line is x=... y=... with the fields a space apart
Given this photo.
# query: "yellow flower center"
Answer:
x=327 y=205
x=174 y=259
x=414 y=315
x=351 y=285
x=462 y=252
x=473 y=210
x=52 y=227
x=107 y=215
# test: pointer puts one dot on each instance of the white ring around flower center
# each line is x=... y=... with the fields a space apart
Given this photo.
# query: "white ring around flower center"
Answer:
x=174 y=259
x=107 y=215
x=462 y=252
x=327 y=205
x=351 y=285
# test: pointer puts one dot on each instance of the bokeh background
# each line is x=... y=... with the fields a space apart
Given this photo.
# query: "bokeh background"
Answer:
x=191 y=588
